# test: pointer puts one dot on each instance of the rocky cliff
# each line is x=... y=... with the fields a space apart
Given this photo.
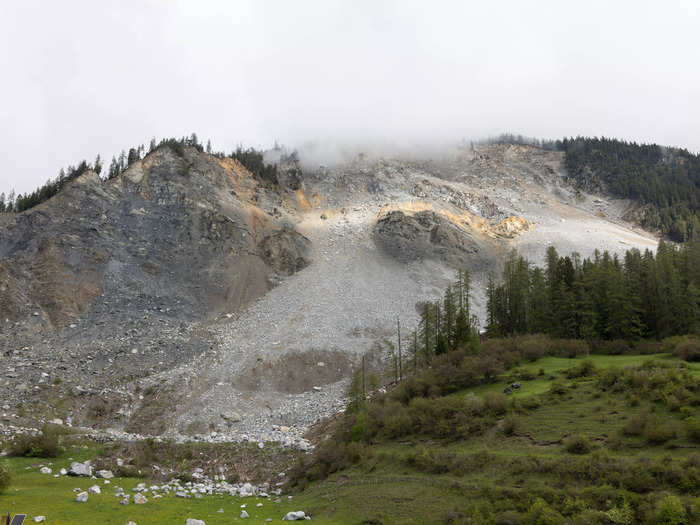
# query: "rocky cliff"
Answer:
x=187 y=296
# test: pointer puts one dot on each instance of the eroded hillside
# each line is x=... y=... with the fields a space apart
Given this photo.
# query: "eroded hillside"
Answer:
x=185 y=296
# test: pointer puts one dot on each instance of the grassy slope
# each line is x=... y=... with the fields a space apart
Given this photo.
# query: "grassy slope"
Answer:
x=385 y=487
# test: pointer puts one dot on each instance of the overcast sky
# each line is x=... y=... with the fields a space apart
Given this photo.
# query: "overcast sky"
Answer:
x=79 y=78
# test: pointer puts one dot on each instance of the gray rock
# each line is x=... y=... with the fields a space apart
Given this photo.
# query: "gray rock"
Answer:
x=80 y=469
x=39 y=519
x=296 y=516
x=94 y=490
x=140 y=499
x=45 y=470
x=106 y=474
x=244 y=514
x=82 y=497
x=192 y=521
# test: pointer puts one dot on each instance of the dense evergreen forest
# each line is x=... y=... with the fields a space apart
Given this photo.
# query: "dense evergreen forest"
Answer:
x=665 y=180
x=252 y=159
x=641 y=296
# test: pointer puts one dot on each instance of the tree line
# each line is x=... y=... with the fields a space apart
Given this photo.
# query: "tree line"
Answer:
x=665 y=180
x=253 y=160
x=644 y=295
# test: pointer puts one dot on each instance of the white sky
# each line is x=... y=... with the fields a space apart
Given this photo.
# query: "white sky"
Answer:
x=79 y=78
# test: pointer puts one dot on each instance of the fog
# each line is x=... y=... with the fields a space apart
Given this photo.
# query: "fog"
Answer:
x=85 y=77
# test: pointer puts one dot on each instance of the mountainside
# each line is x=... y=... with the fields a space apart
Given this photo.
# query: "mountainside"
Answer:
x=188 y=296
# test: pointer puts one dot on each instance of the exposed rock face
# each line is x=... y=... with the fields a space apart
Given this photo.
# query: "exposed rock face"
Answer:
x=429 y=235
x=186 y=297
x=184 y=231
x=286 y=250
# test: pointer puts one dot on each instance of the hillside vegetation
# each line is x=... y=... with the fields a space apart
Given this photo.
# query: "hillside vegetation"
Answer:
x=665 y=180
x=597 y=439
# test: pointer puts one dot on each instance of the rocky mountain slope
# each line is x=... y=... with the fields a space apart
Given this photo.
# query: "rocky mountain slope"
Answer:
x=187 y=297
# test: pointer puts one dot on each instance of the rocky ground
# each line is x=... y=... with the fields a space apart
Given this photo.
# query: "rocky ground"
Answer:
x=187 y=299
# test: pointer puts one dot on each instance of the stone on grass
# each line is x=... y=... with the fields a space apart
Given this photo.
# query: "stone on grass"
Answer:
x=295 y=516
x=45 y=470
x=140 y=499
x=106 y=474
x=192 y=521
x=80 y=469
x=244 y=514
x=94 y=490
x=39 y=519
x=82 y=497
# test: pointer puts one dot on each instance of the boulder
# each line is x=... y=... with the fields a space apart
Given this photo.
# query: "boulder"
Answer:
x=140 y=499
x=94 y=490
x=106 y=474
x=80 y=469
x=45 y=470
x=82 y=497
x=296 y=516
x=244 y=514
x=39 y=519
x=192 y=521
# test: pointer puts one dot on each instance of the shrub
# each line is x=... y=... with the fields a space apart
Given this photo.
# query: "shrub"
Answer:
x=585 y=369
x=670 y=511
x=42 y=445
x=569 y=347
x=475 y=405
x=511 y=424
x=692 y=428
x=541 y=513
x=657 y=432
x=4 y=476
x=636 y=424
x=614 y=347
x=558 y=386
x=577 y=445
x=669 y=344
x=688 y=350
x=496 y=403
x=533 y=347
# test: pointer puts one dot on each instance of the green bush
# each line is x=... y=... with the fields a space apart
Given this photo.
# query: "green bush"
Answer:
x=42 y=445
x=688 y=350
x=692 y=429
x=558 y=387
x=511 y=424
x=496 y=403
x=4 y=476
x=541 y=513
x=585 y=369
x=577 y=445
x=670 y=511
x=635 y=425
x=657 y=432
x=569 y=347
x=533 y=347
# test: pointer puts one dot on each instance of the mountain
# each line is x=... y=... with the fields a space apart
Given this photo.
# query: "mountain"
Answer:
x=190 y=295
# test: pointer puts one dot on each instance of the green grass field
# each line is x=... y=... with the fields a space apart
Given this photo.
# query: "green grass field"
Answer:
x=397 y=481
